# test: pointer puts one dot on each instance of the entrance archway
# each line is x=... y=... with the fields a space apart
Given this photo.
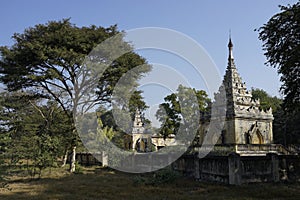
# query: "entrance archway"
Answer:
x=257 y=138
x=142 y=145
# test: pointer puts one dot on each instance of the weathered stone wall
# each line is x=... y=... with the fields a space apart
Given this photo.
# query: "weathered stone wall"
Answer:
x=212 y=168
x=235 y=169
x=235 y=130
x=86 y=159
x=230 y=137
x=257 y=169
x=255 y=128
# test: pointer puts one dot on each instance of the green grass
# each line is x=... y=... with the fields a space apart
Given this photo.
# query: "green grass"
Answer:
x=101 y=183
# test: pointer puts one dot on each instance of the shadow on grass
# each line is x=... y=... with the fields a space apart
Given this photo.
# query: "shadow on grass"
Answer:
x=109 y=184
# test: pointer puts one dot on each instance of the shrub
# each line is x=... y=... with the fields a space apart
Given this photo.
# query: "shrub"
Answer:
x=157 y=178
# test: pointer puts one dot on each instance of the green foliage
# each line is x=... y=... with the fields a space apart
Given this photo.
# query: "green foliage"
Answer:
x=78 y=168
x=33 y=131
x=47 y=58
x=137 y=102
x=281 y=42
x=3 y=174
x=114 y=133
x=100 y=138
x=172 y=115
x=46 y=151
x=108 y=120
x=286 y=128
x=163 y=176
x=47 y=61
x=266 y=101
x=135 y=67
x=169 y=115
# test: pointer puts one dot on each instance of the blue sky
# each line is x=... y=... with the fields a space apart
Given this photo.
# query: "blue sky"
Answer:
x=206 y=21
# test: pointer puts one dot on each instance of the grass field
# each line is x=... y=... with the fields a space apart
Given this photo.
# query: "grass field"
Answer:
x=100 y=183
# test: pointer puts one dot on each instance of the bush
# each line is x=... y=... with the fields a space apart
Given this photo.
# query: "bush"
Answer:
x=3 y=183
x=78 y=168
x=157 y=178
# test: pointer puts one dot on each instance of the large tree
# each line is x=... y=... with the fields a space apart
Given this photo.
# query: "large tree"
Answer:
x=281 y=42
x=170 y=112
x=47 y=59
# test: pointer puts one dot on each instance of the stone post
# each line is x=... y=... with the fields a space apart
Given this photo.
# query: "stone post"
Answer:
x=104 y=159
x=170 y=160
x=150 y=162
x=197 y=167
x=235 y=171
x=274 y=166
x=133 y=157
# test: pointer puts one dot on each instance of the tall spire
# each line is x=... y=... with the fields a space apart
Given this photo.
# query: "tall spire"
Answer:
x=230 y=56
x=230 y=47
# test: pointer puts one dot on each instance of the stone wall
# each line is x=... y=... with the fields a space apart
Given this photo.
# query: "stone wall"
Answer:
x=211 y=168
x=88 y=159
x=235 y=169
x=232 y=169
x=236 y=130
x=259 y=131
x=257 y=169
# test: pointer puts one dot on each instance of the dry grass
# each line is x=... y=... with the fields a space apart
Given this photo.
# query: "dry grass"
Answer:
x=99 y=183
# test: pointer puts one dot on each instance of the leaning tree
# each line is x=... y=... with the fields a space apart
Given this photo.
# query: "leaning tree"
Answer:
x=52 y=60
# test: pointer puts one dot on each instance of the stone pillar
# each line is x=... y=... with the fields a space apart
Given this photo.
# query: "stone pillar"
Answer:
x=170 y=159
x=274 y=166
x=150 y=161
x=133 y=157
x=235 y=171
x=197 y=167
x=104 y=159
x=284 y=169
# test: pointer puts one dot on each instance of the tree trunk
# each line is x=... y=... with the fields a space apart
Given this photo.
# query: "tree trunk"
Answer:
x=73 y=160
x=65 y=158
